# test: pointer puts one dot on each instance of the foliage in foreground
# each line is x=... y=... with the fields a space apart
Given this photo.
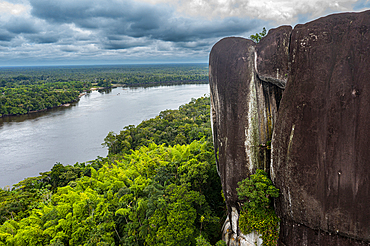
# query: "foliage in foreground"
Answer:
x=257 y=212
x=154 y=196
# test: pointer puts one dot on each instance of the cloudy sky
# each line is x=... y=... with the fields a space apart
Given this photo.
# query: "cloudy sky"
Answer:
x=76 y=32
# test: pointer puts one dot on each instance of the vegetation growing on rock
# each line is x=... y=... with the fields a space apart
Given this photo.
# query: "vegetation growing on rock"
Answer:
x=257 y=213
x=258 y=36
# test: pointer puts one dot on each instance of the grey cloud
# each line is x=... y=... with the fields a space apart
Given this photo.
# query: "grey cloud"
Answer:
x=70 y=29
x=60 y=11
x=43 y=39
x=69 y=49
x=129 y=18
x=6 y=36
x=199 y=45
x=185 y=30
x=120 y=46
x=114 y=37
x=83 y=12
x=21 y=25
x=124 y=43
x=182 y=29
x=54 y=34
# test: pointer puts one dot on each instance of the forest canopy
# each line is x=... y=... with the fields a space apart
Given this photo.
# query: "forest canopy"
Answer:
x=157 y=186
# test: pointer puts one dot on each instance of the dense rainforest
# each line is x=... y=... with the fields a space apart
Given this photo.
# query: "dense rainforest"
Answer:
x=157 y=186
x=27 y=89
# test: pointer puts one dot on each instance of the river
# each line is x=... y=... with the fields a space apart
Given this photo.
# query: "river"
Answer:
x=33 y=143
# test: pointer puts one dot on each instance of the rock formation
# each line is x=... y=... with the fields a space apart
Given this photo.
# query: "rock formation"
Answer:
x=245 y=107
x=321 y=151
x=320 y=144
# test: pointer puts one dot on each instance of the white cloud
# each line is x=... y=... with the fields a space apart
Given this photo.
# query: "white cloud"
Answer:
x=13 y=9
x=79 y=30
x=275 y=11
x=9 y=9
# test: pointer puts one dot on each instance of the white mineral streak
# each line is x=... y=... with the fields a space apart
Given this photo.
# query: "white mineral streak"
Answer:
x=251 y=130
x=232 y=238
x=290 y=204
x=288 y=157
x=215 y=105
x=291 y=139
x=272 y=171
x=234 y=219
x=255 y=61
x=231 y=232
x=257 y=129
x=251 y=239
x=226 y=230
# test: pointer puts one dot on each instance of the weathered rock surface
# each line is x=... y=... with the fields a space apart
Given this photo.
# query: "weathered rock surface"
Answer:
x=245 y=107
x=273 y=56
x=293 y=233
x=231 y=71
x=321 y=142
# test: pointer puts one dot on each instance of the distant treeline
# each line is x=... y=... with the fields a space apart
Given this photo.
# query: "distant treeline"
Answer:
x=23 y=99
x=157 y=186
x=28 y=89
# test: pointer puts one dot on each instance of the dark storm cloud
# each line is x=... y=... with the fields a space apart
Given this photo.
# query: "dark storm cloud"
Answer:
x=6 y=36
x=87 y=13
x=61 y=11
x=180 y=29
x=113 y=30
x=114 y=19
x=21 y=25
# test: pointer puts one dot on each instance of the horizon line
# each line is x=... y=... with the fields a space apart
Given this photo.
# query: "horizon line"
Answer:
x=113 y=64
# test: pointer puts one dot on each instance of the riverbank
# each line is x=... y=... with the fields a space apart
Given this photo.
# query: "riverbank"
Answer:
x=33 y=143
x=42 y=110
x=67 y=104
x=167 y=83
x=145 y=85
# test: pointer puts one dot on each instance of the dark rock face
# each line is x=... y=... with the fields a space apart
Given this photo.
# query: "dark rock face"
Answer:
x=273 y=56
x=231 y=69
x=244 y=107
x=321 y=141
x=293 y=233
